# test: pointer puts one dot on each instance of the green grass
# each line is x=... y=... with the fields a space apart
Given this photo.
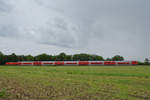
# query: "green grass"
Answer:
x=75 y=82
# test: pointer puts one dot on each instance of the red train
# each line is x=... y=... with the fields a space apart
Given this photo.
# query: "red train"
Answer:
x=76 y=63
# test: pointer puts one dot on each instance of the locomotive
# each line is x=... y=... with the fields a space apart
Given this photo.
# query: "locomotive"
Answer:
x=72 y=63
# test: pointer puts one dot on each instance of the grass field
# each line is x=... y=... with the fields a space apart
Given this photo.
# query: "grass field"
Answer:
x=75 y=83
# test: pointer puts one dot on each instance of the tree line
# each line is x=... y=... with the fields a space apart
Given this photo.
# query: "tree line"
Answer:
x=60 y=57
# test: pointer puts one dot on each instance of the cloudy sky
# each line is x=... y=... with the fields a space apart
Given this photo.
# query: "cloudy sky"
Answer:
x=103 y=27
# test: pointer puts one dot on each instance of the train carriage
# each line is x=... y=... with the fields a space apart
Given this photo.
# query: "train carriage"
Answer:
x=76 y=63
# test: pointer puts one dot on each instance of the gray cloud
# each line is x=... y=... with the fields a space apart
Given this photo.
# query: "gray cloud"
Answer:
x=4 y=6
x=59 y=32
x=106 y=27
x=8 y=30
x=7 y=23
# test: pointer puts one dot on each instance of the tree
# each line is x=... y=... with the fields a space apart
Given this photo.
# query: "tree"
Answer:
x=42 y=57
x=95 y=58
x=146 y=61
x=68 y=58
x=13 y=57
x=81 y=57
x=99 y=58
x=54 y=58
x=22 y=58
x=108 y=59
x=61 y=57
x=2 y=58
x=117 y=58
x=76 y=57
x=29 y=58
